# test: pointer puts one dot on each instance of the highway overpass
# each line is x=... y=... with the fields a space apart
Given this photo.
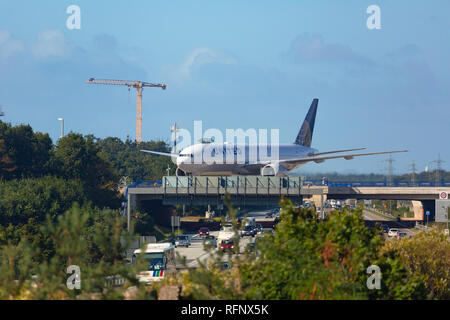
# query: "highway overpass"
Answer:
x=267 y=191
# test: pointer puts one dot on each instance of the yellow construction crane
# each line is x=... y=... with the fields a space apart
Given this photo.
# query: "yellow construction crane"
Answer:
x=139 y=85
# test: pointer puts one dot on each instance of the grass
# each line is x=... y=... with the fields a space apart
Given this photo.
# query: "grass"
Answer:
x=380 y=215
x=197 y=218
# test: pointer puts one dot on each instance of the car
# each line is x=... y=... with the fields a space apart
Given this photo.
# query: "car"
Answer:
x=392 y=232
x=182 y=241
x=222 y=265
x=266 y=231
x=248 y=231
x=401 y=235
x=210 y=240
x=272 y=213
x=227 y=227
x=257 y=227
x=227 y=245
x=203 y=231
x=385 y=228
x=307 y=205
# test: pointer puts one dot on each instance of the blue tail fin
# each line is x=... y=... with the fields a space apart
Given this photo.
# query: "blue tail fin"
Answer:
x=304 y=137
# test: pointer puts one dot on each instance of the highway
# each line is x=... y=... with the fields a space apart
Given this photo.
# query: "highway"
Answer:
x=406 y=226
x=196 y=251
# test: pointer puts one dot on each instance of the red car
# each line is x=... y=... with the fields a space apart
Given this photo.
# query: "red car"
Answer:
x=203 y=231
x=227 y=245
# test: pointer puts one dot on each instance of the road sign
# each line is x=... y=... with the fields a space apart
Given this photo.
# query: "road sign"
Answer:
x=443 y=195
x=175 y=221
x=427 y=213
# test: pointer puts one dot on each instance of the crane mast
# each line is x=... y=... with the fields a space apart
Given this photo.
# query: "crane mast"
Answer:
x=139 y=86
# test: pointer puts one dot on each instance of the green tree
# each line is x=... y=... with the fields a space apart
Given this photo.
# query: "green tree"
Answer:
x=128 y=160
x=80 y=158
x=92 y=239
x=24 y=153
x=427 y=257
x=307 y=259
x=37 y=197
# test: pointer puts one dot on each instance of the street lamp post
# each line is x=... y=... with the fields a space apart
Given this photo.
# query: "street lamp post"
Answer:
x=62 y=126
x=174 y=129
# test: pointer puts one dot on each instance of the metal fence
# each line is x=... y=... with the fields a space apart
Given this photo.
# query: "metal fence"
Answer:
x=397 y=184
x=274 y=182
x=237 y=182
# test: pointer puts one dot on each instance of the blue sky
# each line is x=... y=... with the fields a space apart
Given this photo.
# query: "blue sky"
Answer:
x=237 y=64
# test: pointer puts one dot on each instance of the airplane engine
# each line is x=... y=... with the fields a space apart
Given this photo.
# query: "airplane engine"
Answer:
x=274 y=169
x=180 y=173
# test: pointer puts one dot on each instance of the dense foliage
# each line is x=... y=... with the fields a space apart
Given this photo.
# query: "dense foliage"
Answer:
x=313 y=259
x=93 y=240
x=59 y=207
x=129 y=161
x=40 y=181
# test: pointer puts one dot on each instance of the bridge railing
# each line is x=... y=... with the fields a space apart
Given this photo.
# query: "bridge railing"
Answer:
x=226 y=182
x=397 y=184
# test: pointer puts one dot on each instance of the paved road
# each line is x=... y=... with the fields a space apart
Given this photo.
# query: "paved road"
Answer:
x=406 y=226
x=196 y=250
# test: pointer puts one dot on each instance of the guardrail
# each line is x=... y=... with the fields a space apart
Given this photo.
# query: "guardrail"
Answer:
x=397 y=184
x=422 y=227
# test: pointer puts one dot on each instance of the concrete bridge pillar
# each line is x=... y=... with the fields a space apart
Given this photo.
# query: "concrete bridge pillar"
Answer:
x=421 y=207
x=319 y=200
x=418 y=209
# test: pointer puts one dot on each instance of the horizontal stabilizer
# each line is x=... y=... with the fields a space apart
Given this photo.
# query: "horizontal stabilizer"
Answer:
x=319 y=159
x=161 y=153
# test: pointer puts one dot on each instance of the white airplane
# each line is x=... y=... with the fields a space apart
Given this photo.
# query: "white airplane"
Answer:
x=237 y=159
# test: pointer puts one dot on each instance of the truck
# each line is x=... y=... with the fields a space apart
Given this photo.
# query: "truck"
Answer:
x=224 y=236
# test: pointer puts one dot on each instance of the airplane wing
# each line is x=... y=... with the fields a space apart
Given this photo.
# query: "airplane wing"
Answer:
x=319 y=159
x=161 y=153
x=337 y=151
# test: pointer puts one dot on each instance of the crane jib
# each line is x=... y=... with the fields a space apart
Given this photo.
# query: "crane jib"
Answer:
x=139 y=85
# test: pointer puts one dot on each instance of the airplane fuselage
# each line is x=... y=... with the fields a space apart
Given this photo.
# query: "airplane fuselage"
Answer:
x=258 y=159
x=237 y=159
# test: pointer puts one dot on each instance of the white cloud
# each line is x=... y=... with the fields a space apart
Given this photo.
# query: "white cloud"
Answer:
x=312 y=48
x=8 y=45
x=196 y=59
x=51 y=43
